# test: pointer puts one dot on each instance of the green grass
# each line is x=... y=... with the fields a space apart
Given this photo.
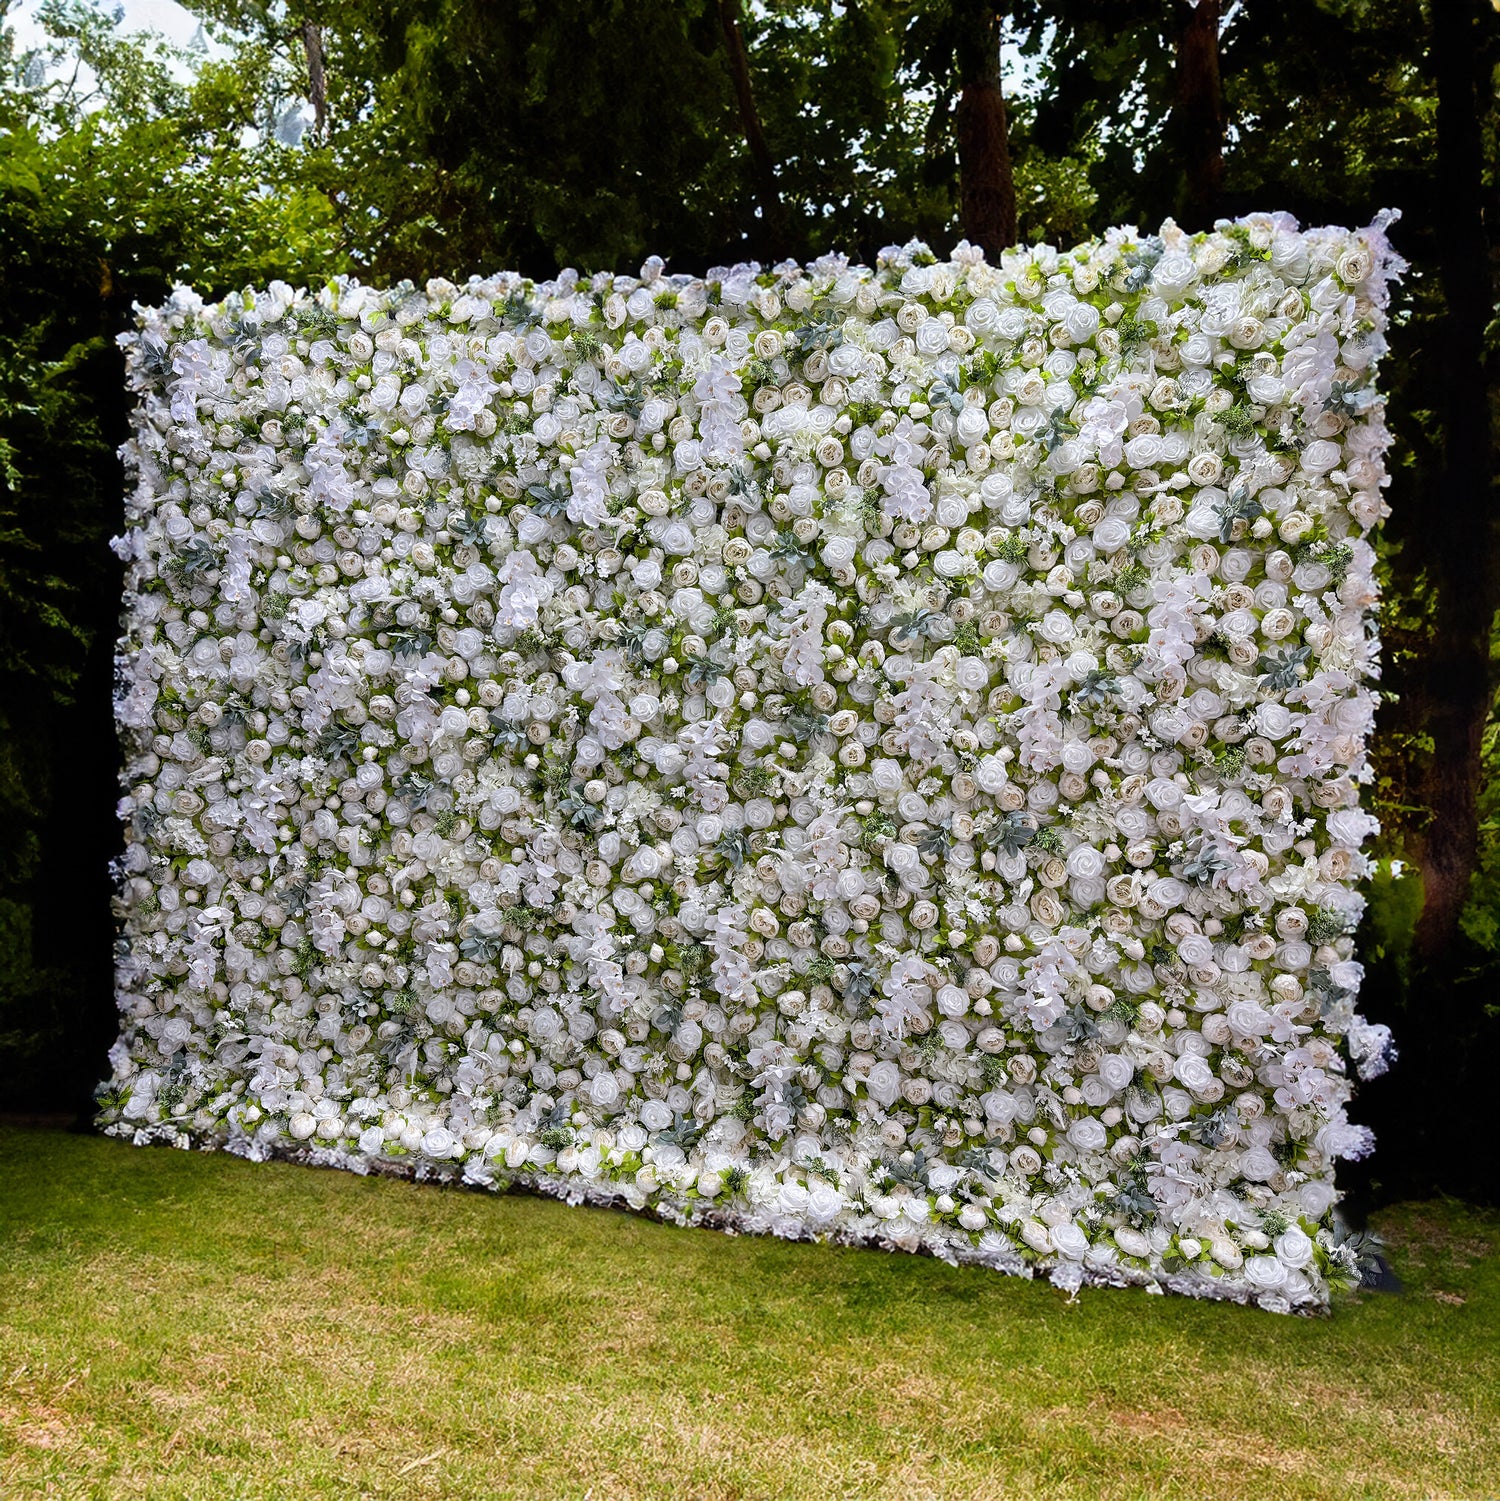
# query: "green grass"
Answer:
x=178 y=1324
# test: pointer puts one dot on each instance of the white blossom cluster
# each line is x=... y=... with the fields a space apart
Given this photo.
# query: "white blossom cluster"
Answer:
x=869 y=754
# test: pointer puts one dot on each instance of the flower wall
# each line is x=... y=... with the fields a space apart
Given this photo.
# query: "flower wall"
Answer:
x=864 y=754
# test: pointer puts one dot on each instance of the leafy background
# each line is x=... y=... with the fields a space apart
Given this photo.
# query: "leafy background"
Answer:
x=412 y=138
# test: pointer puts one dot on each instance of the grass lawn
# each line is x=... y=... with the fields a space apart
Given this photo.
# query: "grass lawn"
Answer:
x=178 y=1324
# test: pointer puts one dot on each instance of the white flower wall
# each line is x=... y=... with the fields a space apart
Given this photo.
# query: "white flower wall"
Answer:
x=865 y=754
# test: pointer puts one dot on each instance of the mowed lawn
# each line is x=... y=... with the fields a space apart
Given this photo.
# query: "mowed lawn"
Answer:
x=182 y=1324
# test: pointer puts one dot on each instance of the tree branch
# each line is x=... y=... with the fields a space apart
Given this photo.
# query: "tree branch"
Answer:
x=773 y=211
x=317 y=80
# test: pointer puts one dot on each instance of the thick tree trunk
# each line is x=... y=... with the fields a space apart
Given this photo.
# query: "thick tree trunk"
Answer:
x=1459 y=546
x=773 y=212
x=1197 y=123
x=987 y=186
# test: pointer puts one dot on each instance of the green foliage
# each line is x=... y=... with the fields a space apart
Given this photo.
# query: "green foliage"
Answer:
x=574 y=133
x=1481 y=917
x=1395 y=903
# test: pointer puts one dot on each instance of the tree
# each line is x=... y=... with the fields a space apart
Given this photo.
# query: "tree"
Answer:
x=773 y=213
x=1460 y=553
x=1196 y=125
x=466 y=136
x=953 y=47
x=986 y=183
x=317 y=78
x=864 y=150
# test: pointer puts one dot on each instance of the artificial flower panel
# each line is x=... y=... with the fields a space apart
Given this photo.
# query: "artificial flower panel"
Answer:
x=866 y=754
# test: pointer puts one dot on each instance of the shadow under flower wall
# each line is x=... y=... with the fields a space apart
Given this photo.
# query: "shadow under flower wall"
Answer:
x=868 y=754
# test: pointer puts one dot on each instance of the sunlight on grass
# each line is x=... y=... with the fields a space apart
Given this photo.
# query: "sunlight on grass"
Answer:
x=179 y=1324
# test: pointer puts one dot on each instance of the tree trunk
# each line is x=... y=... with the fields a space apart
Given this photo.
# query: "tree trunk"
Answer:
x=317 y=79
x=1197 y=123
x=773 y=212
x=1459 y=538
x=987 y=187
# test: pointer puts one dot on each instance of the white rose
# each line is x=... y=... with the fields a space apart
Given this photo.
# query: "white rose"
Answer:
x=916 y=1091
x=1320 y=456
x=971 y=425
x=1249 y=1019
x=1031 y=389
x=1246 y=333
x=1274 y=721
x=1088 y=1134
x=1174 y=273
x=1294 y=1248
x=982 y=316
x=972 y=1218
x=1081 y=322
x=1195 y=949
x=1258 y=1165
x=1316 y=1198
x=1264 y=1273
x=1355 y=264
x=972 y=673
x=991 y=774
x=1058 y=627
x=1193 y=1073
x=932 y=338
x=1205 y=468
x=1143 y=451
x=1111 y=534
x=823 y=1203
x=1026 y=1161
x=792 y=1199
x=999 y=575
x=1036 y=1235
x=1046 y=909
x=1069 y=1240
x=883 y=1083
x=1226 y=1253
